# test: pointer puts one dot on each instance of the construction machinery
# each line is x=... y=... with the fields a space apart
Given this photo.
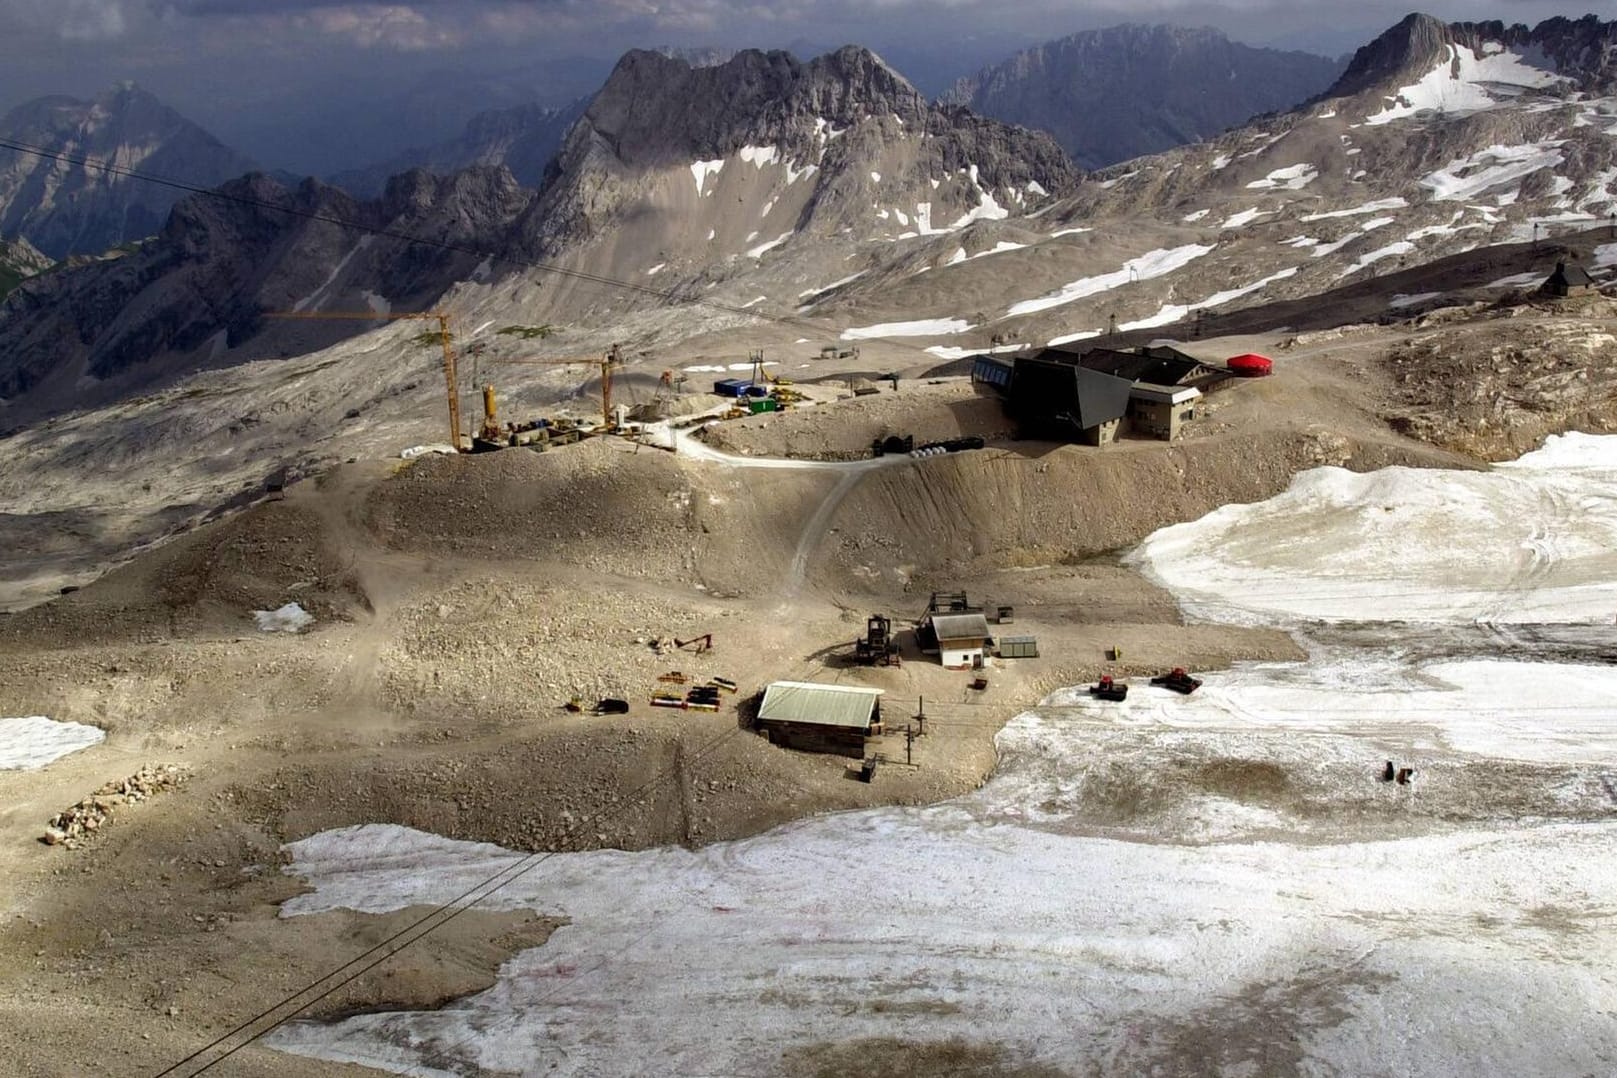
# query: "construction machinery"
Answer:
x=1179 y=680
x=610 y=362
x=451 y=374
x=878 y=645
x=1107 y=689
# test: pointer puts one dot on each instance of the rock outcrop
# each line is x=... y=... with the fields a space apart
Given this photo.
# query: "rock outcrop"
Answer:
x=198 y=292
x=19 y=259
x=1583 y=51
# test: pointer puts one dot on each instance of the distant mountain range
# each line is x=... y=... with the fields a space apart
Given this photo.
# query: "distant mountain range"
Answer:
x=65 y=209
x=524 y=139
x=833 y=185
x=672 y=172
x=1114 y=94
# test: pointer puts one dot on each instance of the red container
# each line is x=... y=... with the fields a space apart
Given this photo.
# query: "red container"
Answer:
x=1251 y=365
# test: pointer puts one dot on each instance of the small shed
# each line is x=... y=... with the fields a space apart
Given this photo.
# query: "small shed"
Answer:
x=1162 y=411
x=1018 y=647
x=820 y=718
x=1567 y=280
x=957 y=639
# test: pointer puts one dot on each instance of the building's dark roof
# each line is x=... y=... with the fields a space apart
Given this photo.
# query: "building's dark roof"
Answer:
x=1061 y=398
x=1573 y=276
x=1159 y=366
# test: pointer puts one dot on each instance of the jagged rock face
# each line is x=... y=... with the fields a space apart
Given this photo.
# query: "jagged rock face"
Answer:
x=838 y=143
x=524 y=139
x=1115 y=94
x=198 y=292
x=19 y=259
x=1582 y=51
x=66 y=209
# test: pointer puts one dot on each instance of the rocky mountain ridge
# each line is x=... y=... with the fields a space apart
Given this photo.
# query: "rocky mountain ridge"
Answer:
x=1583 y=51
x=65 y=209
x=734 y=166
x=197 y=294
x=1127 y=91
x=19 y=259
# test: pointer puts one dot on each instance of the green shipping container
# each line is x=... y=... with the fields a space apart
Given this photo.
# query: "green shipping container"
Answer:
x=1018 y=647
x=767 y=404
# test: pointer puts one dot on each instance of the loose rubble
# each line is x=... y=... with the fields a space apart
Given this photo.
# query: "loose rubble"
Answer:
x=75 y=826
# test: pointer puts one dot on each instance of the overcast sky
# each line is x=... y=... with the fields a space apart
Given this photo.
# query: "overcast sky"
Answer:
x=270 y=76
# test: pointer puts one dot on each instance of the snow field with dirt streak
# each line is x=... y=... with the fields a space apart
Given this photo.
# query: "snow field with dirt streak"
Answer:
x=1534 y=540
x=1228 y=933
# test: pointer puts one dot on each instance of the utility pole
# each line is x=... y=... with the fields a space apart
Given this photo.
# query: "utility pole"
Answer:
x=909 y=740
x=920 y=714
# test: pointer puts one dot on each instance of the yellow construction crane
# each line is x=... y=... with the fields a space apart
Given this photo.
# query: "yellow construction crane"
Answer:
x=451 y=375
x=610 y=362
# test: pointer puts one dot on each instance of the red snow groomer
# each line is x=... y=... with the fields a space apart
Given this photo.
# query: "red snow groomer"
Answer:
x=1178 y=680
x=1107 y=689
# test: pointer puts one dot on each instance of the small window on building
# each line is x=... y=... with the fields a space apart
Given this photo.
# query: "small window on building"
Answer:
x=1188 y=413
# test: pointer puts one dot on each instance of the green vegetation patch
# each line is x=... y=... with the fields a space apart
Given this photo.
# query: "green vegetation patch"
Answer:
x=528 y=333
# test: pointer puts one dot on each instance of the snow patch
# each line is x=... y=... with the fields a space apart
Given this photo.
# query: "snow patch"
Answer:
x=1392 y=250
x=701 y=170
x=1377 y=206
x=1464 y=82
x=1291 y=178
x=31 y=742
x=1403 y=300
x=759 y=156
x=1156 y=263
x=1534 y=540
x=1236 y=220
x=1468 y=177
x=926 y=327
x=1196 y=215
x=1173 y=312
x=290 y=618
x=762 y=248
x=833 y=285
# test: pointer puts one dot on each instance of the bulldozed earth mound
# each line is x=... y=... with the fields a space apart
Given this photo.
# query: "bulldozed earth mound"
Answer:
x=205 y=583
x=932 y=412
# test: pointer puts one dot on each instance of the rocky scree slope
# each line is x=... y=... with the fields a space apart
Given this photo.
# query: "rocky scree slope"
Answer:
x=684 y=166
x=65 y=209
x=1437 y=141
x=1127 y=91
